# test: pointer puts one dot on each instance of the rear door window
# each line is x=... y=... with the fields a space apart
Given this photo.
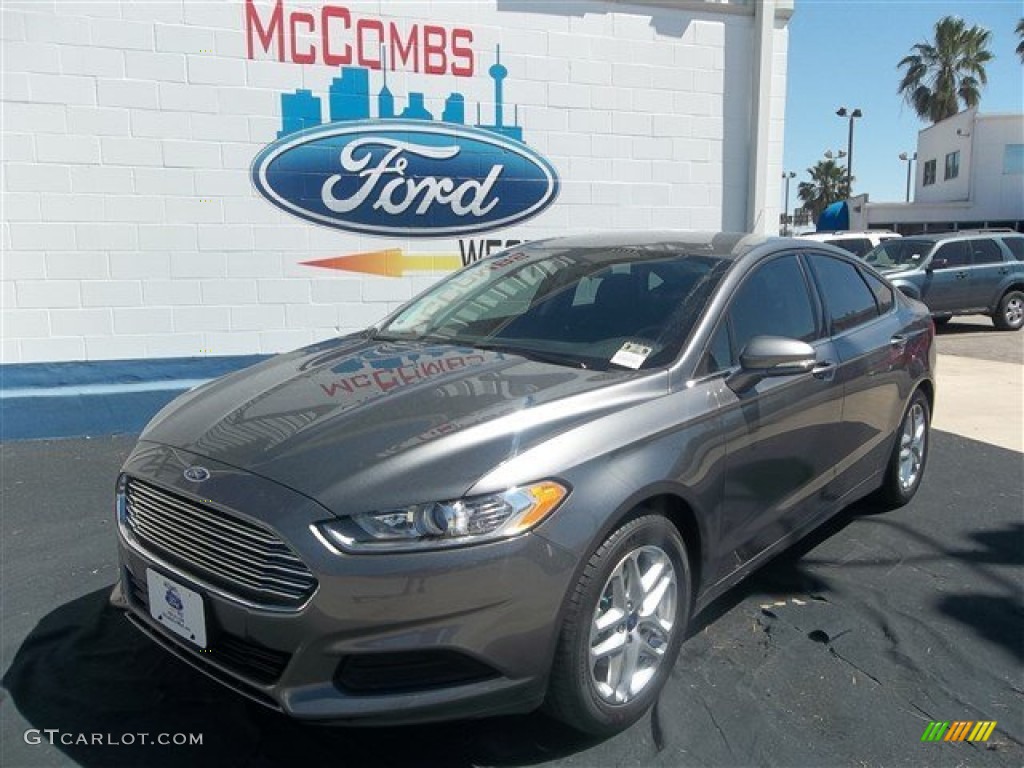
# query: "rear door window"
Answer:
x=848 y=300
x=986 y=251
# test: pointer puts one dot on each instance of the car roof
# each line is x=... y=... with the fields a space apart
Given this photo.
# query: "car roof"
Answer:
x=721 y=244
x=936 y=237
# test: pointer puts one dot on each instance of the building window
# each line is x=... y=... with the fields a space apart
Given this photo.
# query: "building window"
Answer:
x=1013 y=159
x=929 y=173
x=952 y=165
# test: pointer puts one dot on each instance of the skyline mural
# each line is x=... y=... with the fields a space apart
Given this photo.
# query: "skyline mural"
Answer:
x=349 y=98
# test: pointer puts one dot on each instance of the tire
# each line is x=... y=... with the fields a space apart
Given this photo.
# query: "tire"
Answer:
x=909 y=454
x=1009 y=315
x=600 y=698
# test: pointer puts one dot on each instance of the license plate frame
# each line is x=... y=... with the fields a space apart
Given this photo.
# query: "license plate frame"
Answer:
x=177 y=608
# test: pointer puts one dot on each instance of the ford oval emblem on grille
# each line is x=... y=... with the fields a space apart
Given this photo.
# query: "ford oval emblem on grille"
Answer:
x=197 y=474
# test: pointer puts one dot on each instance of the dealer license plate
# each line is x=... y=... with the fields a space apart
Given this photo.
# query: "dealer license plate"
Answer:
x=176 y=607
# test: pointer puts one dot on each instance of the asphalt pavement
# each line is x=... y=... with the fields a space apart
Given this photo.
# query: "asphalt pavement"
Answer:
x=840 y=652
x=974 y=336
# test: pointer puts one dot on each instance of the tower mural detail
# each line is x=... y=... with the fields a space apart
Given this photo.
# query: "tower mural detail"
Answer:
x=349 y=98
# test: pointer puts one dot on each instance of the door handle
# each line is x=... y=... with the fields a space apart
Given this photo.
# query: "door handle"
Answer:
x=899 y=340
x=961 y=275
x=826 y=371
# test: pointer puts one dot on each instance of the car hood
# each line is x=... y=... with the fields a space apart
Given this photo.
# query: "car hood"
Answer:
x=360 y=424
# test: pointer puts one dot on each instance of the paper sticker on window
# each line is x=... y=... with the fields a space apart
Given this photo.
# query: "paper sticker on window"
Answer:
x=631 y=355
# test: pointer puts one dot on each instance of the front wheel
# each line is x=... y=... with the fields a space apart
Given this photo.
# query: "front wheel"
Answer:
x=909 y=454
x=1009 y=314
x=626 y=620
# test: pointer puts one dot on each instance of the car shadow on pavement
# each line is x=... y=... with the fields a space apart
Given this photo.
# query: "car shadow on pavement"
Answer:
x=954 y=327
x=85 y=670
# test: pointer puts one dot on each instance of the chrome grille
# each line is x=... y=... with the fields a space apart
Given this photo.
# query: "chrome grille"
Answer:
x=243 y=559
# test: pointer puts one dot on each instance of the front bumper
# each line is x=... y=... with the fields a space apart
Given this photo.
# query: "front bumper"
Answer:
x=475 y=627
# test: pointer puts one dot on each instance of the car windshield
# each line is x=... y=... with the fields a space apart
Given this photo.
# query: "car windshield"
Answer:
x=583 y=307
x=899 y=252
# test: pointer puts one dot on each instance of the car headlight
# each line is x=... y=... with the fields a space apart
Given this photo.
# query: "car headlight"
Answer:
x=447 y=524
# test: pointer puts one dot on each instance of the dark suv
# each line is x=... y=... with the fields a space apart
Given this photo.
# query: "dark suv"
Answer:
x=959 y=273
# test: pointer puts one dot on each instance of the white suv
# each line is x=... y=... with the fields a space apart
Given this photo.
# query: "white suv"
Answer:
x=857 y=243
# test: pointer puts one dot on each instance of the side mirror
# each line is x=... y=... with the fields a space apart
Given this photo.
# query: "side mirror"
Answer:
x=769 y=356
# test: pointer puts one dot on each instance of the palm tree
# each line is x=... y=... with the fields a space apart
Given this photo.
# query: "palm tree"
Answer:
x=827 y=185
x=941 y=75
x=1020 y=45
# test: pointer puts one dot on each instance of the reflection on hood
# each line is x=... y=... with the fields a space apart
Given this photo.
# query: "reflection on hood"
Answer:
x=328 y=414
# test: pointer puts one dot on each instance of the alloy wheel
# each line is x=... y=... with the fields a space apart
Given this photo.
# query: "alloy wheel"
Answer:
x=632 y=624
x=1014 y=311
x=913 y=441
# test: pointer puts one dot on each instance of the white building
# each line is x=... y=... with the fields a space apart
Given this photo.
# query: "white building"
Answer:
x=970 y=174
x=144 y=218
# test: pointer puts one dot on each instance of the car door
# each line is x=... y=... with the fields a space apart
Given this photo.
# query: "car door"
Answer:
x=870 y=346
x=987 y=270
x=945 y=288
x=779 y=451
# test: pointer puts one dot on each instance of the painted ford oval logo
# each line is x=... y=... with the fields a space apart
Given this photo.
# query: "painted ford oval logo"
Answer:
x=174 y=599
x=197 y=474
x=405 y=177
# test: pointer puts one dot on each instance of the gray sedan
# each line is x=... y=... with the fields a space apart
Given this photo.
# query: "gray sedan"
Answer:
x=519 y=489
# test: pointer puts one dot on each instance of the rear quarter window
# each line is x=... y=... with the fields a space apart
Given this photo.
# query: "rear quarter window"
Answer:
x=1016 y=246
x=883 y=293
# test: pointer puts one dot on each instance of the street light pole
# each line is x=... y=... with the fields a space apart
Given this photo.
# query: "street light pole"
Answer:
x=909 y=158
x=785 y=213
x=843 y=112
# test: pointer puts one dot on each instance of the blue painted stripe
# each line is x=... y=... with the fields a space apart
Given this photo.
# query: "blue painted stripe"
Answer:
x=103 y=389
x=22 y=375
x=44 y=400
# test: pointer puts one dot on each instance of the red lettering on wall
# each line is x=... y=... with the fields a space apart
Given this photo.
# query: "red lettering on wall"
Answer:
x=405 y=56
x=462 y=54
x=435 y=62
x=369 y=39
x=345 y=39
x=265 y=33
x=298 y=57
x=330 y=12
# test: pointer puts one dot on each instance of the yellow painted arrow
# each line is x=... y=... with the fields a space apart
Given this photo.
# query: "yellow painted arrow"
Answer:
x=391 y=262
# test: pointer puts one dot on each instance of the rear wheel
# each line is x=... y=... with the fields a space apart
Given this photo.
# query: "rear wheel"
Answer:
x=1009 y=314
x=625 y=623
x=909 y=454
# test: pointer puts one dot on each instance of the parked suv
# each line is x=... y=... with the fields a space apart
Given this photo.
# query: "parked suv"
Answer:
x=959 y=273
x=857 y=243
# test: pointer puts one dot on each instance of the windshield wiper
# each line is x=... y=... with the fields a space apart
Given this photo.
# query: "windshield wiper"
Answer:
x=403 y=336
x=529 y=354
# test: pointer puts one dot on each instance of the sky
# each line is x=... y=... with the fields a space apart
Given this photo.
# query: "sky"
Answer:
x=845 y=53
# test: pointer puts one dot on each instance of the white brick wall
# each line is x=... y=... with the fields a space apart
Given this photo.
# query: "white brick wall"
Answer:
x=131 y=227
